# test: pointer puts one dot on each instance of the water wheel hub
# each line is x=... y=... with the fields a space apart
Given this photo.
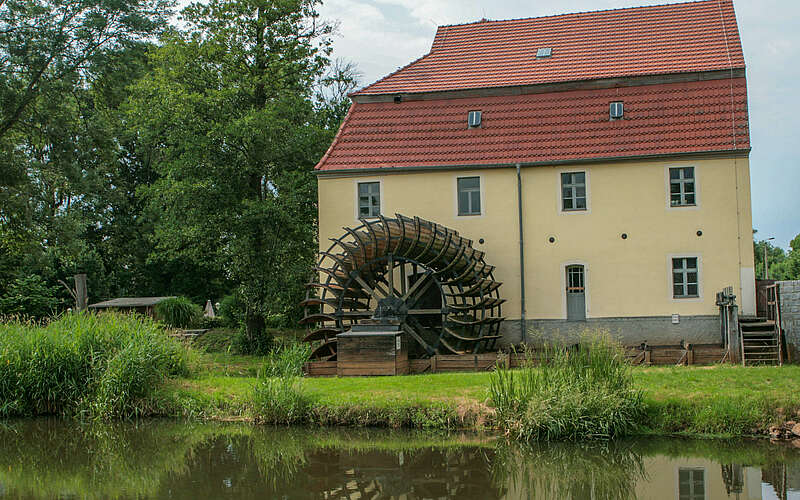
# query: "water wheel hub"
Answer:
x=391 y=309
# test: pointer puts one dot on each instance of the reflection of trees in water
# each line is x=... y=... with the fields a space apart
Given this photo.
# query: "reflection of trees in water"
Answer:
x=374 y=465
x=52 y=458
x=55 y=458
x=419 y=474
x=570 y=470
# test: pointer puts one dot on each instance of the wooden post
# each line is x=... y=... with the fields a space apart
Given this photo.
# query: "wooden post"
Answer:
x=647 y=356
x=433 y=364
x=689 y=355
x=735 y=342
x=81 y=293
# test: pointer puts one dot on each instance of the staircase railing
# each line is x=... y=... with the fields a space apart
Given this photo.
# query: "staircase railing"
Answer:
x=774 y=315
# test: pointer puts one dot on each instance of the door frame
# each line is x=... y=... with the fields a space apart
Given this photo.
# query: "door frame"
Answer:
x=586 y=284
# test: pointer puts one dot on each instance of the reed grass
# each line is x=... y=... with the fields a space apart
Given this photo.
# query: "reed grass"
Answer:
x=583 y=393
x=281 y=400
x=84 y=364
x=287 y=360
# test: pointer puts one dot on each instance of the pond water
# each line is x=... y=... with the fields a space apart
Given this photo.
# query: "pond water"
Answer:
x=48 y=458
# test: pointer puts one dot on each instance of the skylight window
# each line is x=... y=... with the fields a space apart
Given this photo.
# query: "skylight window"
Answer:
x=615 y=110
x=544 y=52
x=474 y=119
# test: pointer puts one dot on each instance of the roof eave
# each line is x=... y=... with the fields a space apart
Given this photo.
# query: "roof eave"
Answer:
x=735 y=153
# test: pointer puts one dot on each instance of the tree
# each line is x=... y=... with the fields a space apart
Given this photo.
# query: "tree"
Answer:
x=59 y=147
x=782 y=266
x=228 y=111
x=44 y=43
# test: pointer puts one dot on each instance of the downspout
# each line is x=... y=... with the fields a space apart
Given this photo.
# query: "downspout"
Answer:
x=521 y=259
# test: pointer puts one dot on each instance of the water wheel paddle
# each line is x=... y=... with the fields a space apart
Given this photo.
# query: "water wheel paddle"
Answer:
x=410 y=271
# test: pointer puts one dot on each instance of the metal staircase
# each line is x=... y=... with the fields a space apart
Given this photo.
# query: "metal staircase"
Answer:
x=760 y=341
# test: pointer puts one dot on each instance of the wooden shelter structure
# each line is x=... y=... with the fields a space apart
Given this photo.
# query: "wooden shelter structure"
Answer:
x=411 y=275
x=141 y=305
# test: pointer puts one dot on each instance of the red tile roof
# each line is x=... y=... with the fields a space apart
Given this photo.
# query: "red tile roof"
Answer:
x=663 y=39
x=689 y=117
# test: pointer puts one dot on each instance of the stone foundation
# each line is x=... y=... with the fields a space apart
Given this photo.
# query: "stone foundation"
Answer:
x=630 y=331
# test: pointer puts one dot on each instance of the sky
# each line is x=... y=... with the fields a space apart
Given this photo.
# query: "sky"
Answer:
x=380 y=36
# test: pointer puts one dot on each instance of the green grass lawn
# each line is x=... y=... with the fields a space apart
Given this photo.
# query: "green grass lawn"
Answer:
x=721 y=399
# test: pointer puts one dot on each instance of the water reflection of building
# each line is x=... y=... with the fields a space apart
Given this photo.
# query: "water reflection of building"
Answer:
x=698 y=479
x=655 y=477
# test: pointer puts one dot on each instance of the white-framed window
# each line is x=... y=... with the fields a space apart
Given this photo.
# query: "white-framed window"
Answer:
x=685 y=277
x=691 y=483
x=469 y=195
x=573 y=191
x=369 y=199
x=682 y=187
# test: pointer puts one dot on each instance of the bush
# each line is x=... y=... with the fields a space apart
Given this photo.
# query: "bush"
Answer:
x=582 y=394
x=178 y=312
x=29 y=296
x=105 y=365
x=207 y=323
x=257 y=345
x=231 y=311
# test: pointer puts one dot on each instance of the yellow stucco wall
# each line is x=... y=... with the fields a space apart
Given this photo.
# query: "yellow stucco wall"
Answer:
x=625 y=278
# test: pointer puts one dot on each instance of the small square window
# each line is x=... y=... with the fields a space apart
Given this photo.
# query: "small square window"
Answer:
x=573 y=191
x=469 y=195
x=682 y=187
x=369 y=199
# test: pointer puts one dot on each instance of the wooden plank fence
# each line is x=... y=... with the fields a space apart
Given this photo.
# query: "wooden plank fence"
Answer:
x=648 y=355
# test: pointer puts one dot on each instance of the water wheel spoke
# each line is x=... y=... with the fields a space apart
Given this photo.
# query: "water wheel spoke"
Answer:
x=409 y=330
x=366 y=288
x=421 y=281
x=423 y=312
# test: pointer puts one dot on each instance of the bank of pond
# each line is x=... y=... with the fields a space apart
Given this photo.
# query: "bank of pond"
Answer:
x=160 y=458
x=111 y=366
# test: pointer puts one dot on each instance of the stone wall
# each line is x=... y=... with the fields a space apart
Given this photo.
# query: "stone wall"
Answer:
x=790 y=316
x=631 y=331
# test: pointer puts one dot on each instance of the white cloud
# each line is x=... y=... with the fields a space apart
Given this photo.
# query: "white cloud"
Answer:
x=376 y=44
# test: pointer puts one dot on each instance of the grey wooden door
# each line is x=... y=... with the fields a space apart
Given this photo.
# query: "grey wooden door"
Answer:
x=576 y=294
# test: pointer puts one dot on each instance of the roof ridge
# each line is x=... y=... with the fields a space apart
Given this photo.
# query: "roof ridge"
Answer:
x=478 y=54
x=600 y=11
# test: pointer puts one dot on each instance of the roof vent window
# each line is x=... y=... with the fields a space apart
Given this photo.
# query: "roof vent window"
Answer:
x=545 y=52
x=616 y=110
x=474 y=119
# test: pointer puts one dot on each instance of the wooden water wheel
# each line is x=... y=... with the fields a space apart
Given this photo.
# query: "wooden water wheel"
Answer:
x=407 y=271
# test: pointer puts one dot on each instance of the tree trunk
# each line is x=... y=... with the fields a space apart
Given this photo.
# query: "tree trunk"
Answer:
x=254 y=325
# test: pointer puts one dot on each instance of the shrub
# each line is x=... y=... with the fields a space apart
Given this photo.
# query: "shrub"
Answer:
x=209 y=323
x=231 y=311
x=104 y=364
x=178 y=312
x=257 y=345
x=579 y=394
x=29 y=296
